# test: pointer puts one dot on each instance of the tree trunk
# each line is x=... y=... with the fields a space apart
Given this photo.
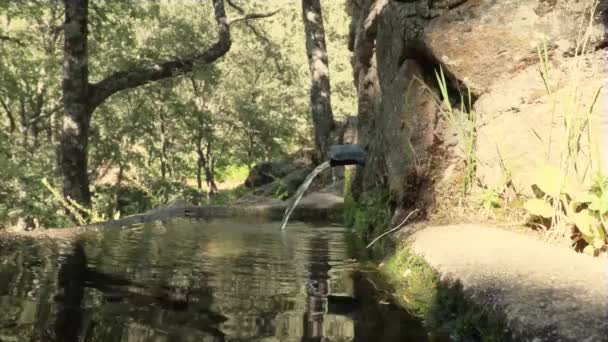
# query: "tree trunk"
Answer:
x=210 y=172
x=24 y=125
x=75 y=130
x=117 y=207
x=206 y=163
x=82 y=98
x=164 y=166
x=11 y=118
x=199 y=164
x=320 y=92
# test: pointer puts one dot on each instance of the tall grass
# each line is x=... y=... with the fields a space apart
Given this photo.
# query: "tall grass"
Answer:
x=574 y=116
x=465 y=122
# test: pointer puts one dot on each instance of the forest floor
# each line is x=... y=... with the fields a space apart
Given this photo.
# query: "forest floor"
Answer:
x=545 y=292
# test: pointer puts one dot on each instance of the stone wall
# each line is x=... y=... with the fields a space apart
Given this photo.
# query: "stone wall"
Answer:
x=489 y=46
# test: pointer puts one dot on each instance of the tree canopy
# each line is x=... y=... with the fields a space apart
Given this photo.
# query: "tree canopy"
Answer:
x=166 y=120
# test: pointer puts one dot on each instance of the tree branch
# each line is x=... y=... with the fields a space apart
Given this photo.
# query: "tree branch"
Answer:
x=140 y=76
x=392 y=230
x=235 y=6
x=269 y=44
x=47 y=114
x=9 y=113
x=254 y=16
x=248 y=16
x=11 y=40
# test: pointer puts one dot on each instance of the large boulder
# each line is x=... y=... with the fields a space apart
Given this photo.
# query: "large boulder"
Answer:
x=267 y=172
x=492 y=48
x=284 y=187
x=489 y=46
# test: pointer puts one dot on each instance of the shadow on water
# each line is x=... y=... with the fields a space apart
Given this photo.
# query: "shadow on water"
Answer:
x=74 y=276
x=189 y=280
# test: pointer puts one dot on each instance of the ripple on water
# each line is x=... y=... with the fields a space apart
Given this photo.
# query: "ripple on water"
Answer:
x=188 y=280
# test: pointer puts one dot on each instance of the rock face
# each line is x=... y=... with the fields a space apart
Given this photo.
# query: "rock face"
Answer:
x=491 y=47
x=410 y=145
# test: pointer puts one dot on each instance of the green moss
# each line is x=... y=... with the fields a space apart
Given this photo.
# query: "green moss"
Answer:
x=369 y=216
x=442 y=305
x=414 y=282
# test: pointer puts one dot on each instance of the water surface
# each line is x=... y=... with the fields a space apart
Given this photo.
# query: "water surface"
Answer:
x=186 y=280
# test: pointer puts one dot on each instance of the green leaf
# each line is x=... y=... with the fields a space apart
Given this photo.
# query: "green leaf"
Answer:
x=539 y=207
x=599 y=204
x=585 y=222
x=549 y=179
x=582 y=196
x=600 y=236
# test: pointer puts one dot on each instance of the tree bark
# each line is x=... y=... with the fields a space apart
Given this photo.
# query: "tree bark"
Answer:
x=206 y=164
x=82 y=98
x=11 y=118
x=164 y=149
x=76 y=90
x=320 y=92
x=199 y=164
x=210 y=171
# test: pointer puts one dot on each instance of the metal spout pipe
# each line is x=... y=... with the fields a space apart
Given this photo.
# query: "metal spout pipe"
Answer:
x=347 y=155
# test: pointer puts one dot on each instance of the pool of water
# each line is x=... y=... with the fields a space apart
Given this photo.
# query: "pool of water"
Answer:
x=195 y=280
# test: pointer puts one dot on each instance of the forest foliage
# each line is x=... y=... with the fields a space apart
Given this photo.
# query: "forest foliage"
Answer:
x=169 y=139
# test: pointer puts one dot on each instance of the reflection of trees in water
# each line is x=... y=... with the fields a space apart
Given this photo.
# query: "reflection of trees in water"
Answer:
x=317 y=289
x=27 y=277
x=256 y=285
x=146 y=308
x=175 y=297
x=173 y=304
x=181 y=284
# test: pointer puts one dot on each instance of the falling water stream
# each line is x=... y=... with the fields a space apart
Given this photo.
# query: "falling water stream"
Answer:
x=303 y=187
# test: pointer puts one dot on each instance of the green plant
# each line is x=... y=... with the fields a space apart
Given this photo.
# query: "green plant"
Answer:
x=414 y=280
x=81 y=214
x=370 y=214
x=490 y=198
x=465 y=121
x=557 y=200
x=564 y=206
x=281 y=190
x=576 y=115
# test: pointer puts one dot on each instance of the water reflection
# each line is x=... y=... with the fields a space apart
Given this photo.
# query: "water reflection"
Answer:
x=317 y=289
x=192 y=281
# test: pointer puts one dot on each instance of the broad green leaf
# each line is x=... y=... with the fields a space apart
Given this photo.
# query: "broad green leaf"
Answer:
x=549 y=179
x=600 y=236
x=585 y=222
x=539 y=207
x=582 y=196
x=599 y=204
